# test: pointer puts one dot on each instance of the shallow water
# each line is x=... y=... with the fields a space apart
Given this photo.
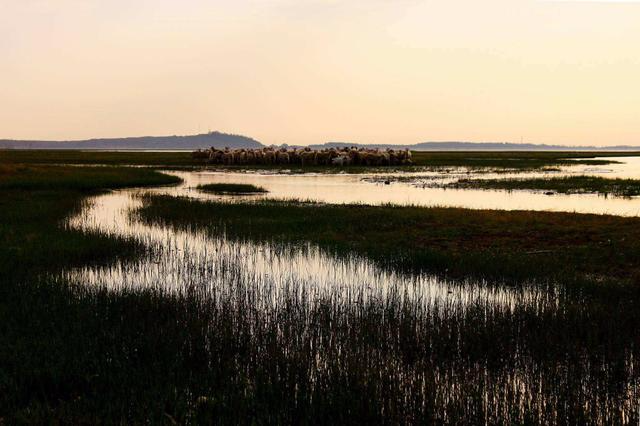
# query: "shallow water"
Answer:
x=184 y=260
x=417 y=189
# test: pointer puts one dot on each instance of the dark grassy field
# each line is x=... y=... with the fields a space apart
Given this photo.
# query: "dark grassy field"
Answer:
x=37 y=320
x=231 y=188
x=37 y=177
x=565 y=185
x=499 y=160
x=165 y=159
x=73 y=354
x=500 y=244
x=34 y=201
x=511 y=160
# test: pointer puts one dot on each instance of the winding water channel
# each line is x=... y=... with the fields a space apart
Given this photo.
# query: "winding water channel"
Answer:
x=184 y=259
x=267 y=276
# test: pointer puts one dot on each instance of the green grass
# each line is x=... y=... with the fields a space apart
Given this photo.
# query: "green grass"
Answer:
x=164 y=159
x=34 y=201
x=565 y=185
x=231 y=188
x=37 y=177
x=47 y=332
x=514 y=245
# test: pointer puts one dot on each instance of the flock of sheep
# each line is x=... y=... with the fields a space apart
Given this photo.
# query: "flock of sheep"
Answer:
x=306 y=156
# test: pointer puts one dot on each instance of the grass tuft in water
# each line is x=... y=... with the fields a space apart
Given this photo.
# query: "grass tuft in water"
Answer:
x=565 y=185
x=232 y=188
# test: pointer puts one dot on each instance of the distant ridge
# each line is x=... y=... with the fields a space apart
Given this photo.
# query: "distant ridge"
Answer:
x=481 y=146
x=222 y=140
x=189 y=142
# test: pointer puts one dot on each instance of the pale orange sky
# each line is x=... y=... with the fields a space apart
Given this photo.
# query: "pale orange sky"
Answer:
x=300 y=72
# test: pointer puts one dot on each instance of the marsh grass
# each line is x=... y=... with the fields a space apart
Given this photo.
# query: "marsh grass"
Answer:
x=70 y=178
x=512 y=160
x=155 y=357
x=34 y=201
x=565 y=185
x=513 y=245
x=75 y=354
x=231 y=188
x=114 y=158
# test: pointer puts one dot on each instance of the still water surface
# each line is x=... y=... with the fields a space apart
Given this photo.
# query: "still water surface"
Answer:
x=187 y=258
x=419 y=189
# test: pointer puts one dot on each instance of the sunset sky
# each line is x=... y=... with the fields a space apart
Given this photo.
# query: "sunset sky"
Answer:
x=300 y=72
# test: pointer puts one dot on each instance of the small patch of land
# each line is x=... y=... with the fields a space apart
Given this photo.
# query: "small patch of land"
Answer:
x=232 y=188
x=504 y=244
x=564 y=185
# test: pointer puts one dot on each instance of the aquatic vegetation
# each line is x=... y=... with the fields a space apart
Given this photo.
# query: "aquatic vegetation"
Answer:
x=565 y=185
x=135 y=356
x=231 y=188
x=514 y=245
x=512 y=160
x=215 y=341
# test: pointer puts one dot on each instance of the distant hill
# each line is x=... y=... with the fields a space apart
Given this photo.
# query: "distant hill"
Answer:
x=481 y=146
x=190 y=142
x=222 y=140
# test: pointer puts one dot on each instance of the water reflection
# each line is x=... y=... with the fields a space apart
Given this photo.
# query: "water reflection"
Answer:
x=191 y=259
x=418 y=189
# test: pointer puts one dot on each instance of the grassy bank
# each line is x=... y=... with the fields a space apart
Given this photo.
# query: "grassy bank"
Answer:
x=68 y=178
x=38 y=328
x=512 y=160
x=565 y=185
x=165 y=159
x=231 y=188
x=35 y=199
x=499 y=160
x=514 y=245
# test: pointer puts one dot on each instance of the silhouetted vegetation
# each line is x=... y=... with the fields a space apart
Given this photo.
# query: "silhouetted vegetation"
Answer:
x=500 y=244
x=75 y=354
x=35 y=177
x=513 y=160
x=58 y=157
x=566 y=185
x=231 y=188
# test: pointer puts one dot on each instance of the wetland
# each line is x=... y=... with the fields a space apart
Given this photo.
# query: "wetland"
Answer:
x=334 y=297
